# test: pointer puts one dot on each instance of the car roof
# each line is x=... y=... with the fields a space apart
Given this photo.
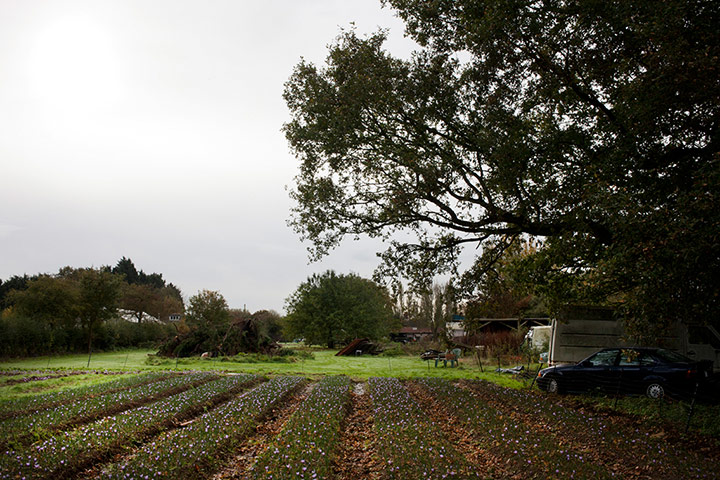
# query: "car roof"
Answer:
x=644 y=349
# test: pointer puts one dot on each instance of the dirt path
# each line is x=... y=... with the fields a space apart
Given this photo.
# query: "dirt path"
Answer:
x=264 y=435
x=356 y=458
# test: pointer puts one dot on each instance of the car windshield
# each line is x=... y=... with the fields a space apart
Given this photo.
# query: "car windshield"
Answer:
x=671 y=357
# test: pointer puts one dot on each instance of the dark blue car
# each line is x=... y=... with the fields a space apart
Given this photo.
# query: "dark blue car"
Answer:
x=654 y=372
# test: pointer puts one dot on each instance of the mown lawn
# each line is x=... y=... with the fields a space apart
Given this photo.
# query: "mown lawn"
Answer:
x=324 y=363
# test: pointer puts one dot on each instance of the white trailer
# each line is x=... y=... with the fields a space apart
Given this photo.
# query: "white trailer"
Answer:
x=538 y=338
x=580 y=332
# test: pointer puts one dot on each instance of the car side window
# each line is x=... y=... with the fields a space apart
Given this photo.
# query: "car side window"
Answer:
x=647 y=359
x=629 y=358
x=606 y=358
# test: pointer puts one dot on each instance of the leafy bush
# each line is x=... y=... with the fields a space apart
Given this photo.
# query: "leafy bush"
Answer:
x=394 y=350
x=283 y=355
x=304 y=355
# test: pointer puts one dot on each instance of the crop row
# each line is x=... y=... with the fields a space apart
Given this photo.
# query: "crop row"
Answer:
x=28 y=404
x=593 y=430
x=306 y=445
x=410 y=444
x=71 y=451
x=167 y=434
x=530 y=452
x=203 y=444
x=40 y=424
x=29 y=376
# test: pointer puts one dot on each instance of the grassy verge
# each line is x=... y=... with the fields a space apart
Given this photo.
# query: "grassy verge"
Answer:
x=18 y=390
x=324 y=363
x=119 y=360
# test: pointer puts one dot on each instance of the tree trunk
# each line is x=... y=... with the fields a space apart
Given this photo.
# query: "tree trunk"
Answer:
x=89 y=343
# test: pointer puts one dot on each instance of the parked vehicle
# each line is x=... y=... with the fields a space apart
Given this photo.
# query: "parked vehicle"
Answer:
x=580 y=331
x=654 y=372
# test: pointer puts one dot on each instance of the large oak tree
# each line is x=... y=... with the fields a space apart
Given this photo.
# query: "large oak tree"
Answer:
x=591 y=126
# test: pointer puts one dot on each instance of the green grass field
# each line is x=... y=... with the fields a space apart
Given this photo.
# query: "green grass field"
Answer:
x=324 y=363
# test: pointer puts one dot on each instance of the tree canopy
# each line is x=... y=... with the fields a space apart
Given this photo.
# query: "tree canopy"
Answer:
x=329 y=309
x=592 y=127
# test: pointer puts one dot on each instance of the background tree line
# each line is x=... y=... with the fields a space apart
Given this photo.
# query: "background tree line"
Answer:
x=78 y=309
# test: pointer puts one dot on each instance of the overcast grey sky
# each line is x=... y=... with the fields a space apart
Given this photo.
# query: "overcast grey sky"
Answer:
x=150 y=129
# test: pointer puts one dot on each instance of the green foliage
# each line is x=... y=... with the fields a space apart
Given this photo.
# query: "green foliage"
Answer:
x=216 y=329
x=22 y=336
x=329 y=308
x=145 y=300
x=395 y=350
x=498 y=285
x=15 y=282
x=705 y=418
x=209 y=321
x=123 y=334
x=46 y=314
x=207 y=310
x=98 y=298
x=126 y=268
x=590 y=126
x=51 y=299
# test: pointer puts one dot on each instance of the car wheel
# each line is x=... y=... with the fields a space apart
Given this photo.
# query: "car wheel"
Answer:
x=655 y=390
x=553 y=386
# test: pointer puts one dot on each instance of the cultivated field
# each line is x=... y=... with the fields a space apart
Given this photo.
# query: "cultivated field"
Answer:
x=210 y=425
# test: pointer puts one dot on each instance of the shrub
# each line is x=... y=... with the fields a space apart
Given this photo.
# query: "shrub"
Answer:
x=394 y=350
x=501 y=343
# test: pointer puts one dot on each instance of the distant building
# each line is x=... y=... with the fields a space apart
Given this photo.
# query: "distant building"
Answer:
x=411 y=334
x=456 y=328
x=131 y=316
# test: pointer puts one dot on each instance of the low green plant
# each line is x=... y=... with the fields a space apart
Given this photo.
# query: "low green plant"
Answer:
x=704 y=418
x=394 y=350
x=22 y=428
